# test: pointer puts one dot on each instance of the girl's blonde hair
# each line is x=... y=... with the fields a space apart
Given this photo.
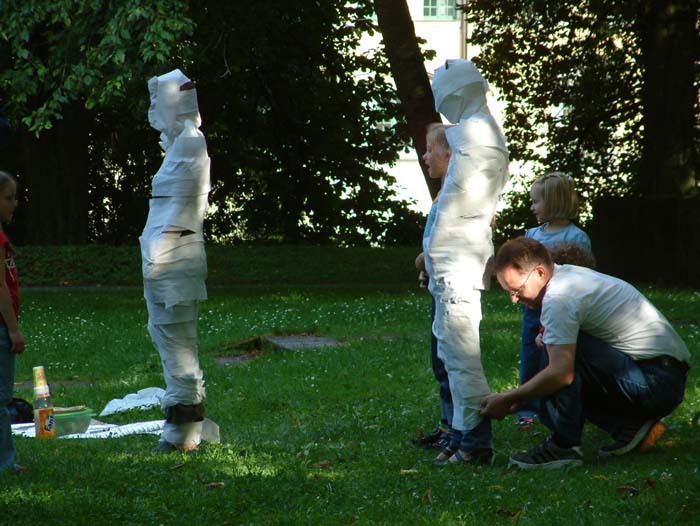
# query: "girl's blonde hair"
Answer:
x=559 y=196
x=435 y=134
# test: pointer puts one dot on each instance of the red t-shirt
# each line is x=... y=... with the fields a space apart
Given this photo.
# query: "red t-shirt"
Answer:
x=11 y=276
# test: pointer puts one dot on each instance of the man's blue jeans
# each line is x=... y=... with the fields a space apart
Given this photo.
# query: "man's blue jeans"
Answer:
x=7 y=380
x=611 y=390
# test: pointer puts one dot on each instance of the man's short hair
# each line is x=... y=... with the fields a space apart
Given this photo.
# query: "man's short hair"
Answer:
x=523 y=254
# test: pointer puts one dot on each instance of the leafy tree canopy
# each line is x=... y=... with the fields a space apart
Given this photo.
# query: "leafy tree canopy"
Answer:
x=66 y=50
x=290 y=108
x=575 y=78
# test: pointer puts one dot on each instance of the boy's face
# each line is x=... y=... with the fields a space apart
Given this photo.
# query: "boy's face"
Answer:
x=8 y=202
x=435 y=158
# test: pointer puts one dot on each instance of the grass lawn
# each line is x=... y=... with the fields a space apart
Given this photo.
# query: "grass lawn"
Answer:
x=319 y=436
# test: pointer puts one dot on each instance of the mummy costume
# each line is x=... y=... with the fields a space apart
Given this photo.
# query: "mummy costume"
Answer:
x=459 y=248
x=173 y=258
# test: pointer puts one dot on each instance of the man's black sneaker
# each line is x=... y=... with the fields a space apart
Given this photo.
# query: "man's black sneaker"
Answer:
x=548 y=455
x=640 y=437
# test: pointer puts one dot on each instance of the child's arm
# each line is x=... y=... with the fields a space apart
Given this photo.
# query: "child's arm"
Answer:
x=8 y=314
x=420 y=261
x=422 y=275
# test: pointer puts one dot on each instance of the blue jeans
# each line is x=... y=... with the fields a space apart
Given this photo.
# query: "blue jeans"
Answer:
x=532 y=359
x=611 y=390
x=7 y=380
x=478 y=437
x=440 y=373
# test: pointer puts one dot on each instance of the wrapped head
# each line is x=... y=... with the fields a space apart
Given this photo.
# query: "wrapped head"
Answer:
x=173 y=102
x=459 y=89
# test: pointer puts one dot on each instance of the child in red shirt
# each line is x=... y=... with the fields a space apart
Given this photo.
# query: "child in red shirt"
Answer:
x=11 y=338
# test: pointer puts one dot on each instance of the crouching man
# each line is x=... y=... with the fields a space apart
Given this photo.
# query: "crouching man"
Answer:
x=614 y=359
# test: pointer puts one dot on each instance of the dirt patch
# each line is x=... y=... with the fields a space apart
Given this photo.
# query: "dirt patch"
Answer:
x=239 y=352
x=54 y=384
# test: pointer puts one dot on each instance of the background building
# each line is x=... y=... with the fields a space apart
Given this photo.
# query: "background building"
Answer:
x=444 y=30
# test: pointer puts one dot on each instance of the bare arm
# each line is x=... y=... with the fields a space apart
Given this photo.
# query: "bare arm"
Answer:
x=420 y=261
x=8 y=315
x=558 y=374
x=422 y=274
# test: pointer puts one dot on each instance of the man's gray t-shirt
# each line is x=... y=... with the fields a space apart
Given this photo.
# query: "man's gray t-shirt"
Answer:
x=609 y=309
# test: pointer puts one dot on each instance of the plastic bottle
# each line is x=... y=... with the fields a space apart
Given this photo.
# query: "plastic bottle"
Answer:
x=44 y=422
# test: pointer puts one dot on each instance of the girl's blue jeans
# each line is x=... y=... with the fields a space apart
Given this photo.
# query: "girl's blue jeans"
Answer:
x=532 y=359
x=7 y=380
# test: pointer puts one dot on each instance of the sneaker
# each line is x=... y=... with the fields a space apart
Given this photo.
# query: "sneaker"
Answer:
x=640 y=437
x=548 y=455
x=525 y=423
x=480 y=456
x=444 y=441
x=444 y=456
x=437 y=439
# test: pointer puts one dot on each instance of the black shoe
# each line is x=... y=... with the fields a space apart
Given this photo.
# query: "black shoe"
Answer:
x=548 y=455
x=641 y=437
x=444 y=441
x=437 y=439
x=480 y=456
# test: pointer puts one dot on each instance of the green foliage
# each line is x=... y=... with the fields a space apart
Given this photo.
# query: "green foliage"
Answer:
x=89 y=51
x=570 y=74
x=298 y=152
x=291 y=108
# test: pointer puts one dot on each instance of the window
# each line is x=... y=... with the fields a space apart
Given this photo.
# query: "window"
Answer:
x=444 y=9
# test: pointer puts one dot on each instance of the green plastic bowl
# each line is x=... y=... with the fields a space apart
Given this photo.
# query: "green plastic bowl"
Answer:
x=71 y=422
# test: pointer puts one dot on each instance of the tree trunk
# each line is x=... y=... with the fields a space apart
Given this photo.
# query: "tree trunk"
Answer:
x=55 y=179
x=669 y=49
x=410 y=77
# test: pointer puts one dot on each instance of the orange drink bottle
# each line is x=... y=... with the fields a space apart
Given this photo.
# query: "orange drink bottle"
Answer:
x=44 y=422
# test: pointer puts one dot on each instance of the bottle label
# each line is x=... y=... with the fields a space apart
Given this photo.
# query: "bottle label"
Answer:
x=44 y=423
x=39 y=376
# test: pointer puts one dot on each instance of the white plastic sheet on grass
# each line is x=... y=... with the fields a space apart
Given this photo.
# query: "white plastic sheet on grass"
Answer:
x=210 y=430
x=143 y=399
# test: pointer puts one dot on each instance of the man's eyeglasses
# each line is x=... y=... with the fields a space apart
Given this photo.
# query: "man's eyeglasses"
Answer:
x=517 y=292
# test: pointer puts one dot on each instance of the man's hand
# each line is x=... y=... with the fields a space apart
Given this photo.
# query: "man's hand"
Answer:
x=497 y=406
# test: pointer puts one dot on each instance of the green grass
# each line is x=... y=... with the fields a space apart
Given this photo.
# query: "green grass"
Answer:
x=317 y=437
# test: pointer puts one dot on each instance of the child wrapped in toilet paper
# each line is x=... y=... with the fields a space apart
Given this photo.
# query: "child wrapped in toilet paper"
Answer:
x=173 y=258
